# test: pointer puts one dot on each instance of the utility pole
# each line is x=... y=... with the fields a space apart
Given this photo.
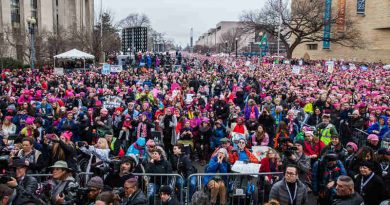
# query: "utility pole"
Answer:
x=280 y=25
x=101 y=31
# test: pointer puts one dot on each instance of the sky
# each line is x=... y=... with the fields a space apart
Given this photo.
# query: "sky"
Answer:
x=175 y=18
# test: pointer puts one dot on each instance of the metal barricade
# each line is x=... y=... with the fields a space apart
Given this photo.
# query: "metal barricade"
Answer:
x=241 y=188
x=360 y=137
x=150 y=183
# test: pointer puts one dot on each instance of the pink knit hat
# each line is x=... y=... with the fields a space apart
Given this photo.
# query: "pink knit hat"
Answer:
x=30 y=120
x=150 y=142
x=373 y=137
x=353 y=145
x=67 y=134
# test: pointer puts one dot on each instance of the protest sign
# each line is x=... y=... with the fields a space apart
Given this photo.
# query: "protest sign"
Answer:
x=330 y=66
x=260 y=151
x=112 y=102
x=247 y=63
x=189 y=98
x=242 y=167
x=296 y=69
x=116 y=69
x=58 y=71
x=106 y=69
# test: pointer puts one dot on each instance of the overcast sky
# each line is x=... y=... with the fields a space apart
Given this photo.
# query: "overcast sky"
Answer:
x=176 y=17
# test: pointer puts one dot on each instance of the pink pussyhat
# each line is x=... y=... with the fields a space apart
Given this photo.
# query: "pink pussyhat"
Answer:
x=30 y=120
x=67 y=134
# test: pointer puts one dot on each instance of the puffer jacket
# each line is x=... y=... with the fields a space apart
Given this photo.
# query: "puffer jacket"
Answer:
x=251 y=157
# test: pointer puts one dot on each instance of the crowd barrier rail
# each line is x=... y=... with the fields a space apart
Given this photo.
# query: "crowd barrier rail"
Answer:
x=360 y=136
x=241 y=188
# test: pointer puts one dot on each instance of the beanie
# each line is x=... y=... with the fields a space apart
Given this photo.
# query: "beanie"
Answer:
x=96 y=182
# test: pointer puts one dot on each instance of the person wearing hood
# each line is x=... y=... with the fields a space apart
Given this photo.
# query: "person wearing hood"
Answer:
x=138 y=148
x=373 y=142
x=158 y=165
x=379 y=128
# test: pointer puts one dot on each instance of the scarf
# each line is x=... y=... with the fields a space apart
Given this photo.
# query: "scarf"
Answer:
x=144 y=130
x=139 y=148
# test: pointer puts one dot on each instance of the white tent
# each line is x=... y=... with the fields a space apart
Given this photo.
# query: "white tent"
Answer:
x=73 y=54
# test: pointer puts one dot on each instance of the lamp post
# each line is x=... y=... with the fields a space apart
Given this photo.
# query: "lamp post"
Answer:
x=236 y=47
x=31 y=27
x=226 y=48
x=260 y=46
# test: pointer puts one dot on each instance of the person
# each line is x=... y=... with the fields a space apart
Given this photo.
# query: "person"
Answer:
x=158 y=165
x=373 y=142
x=300 y=160
x=182 y=164
x=5 y=194
x=380 y=128
x=167 y=197
x=324 y=176
x=369 y=185
x=24 y=185
x=270 y=163
x=345 y=192
x=128 y=165
x=32 y=157
x=65 y=186
x=168 y=124
x=326 y=129
x=95 y=186
x=138 y=148
x=133 y=194
x=383 y=158
x=260 y=137
x=336 y=146
x=106 y=198
x=363 y=154
x=215 y=183
x=243 y=153
x=290 y=190
x=150 y=146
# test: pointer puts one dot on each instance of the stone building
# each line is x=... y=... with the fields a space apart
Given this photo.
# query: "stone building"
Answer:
x=373 y=21
x=50 y=15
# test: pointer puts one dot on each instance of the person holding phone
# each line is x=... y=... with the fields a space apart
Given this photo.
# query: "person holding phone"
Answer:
x=65 y=186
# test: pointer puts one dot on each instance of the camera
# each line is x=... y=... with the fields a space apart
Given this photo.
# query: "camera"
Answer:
x=120 y=191
x=4 y=179
x=290 y=151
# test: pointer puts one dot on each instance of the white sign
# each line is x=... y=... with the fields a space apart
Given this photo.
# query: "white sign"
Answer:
x=247 y=63
x=189 y=98
x=260 y=152
x=296 y=69
x=352 y=66
x=112 y=102
x=330 y=66
x=242 y=167
x=116 y=69
x=106 y=69
x=58 y=71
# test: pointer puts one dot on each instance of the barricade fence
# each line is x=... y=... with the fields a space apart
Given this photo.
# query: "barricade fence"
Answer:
x=150 y=184
x=230 y=188
x=360 y=137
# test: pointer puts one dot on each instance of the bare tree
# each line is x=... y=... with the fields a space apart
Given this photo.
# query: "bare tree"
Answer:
x=135 y=20
x=301 y=22
x=228 y=39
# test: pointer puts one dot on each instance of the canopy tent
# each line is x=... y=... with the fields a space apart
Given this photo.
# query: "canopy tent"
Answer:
x=73 y=54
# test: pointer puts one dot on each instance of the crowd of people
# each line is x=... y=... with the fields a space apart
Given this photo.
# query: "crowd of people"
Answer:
x=326 y=133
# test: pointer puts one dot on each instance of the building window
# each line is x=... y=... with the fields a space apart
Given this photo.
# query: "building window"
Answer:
x=312 y=46
x=34 y=8
x=15 y=11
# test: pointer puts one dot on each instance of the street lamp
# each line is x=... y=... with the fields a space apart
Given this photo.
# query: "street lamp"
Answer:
x=226 y=49
x=260 y=44
x=236 y=47
x=31 y=26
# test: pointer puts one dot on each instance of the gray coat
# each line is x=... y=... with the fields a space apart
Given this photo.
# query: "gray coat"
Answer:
x=173 y=124
x=279 y=192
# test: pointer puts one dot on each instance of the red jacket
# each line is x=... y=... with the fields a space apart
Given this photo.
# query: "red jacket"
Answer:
x=309 y=150
x=234 y=157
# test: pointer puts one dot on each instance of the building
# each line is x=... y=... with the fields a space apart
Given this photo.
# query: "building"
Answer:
x=373 y=21
x=222 y=39
x=50 y=15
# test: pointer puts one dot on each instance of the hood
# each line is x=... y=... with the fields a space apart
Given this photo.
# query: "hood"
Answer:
x=384 y=118
x=141 y=142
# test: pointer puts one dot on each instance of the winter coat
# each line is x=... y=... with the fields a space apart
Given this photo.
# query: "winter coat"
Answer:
x=159 y=167
x=280 y=193
x=215 y=167
x=138 y=198
x=374 y=192
x=172 y=125
x=264 y=141
x=251 y=157
x=354 y=199
x=138 y=148
x=182 y=164
x=321 y=174
x=25 y=191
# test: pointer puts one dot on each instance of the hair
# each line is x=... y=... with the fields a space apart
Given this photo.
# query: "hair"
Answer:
x=132 y=182
x=282 y=127
x=272 y=202
x=30 y=140
x=158 y=151
x=346 y=179
x=260 y=135
x=363 y=151
x=293 y=166
x=180 y=146
x=104 y=142
x=107 y=197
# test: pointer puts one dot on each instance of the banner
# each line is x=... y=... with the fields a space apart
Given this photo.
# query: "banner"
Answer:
x=341 y=16
x=296 y=69
x=112 y=102
x=243 y=167
x=361 y=6
x=330 y=66
x=260 y=152
x=116 y=69
x=58 y=71
x=327 y=15
x=106 y=69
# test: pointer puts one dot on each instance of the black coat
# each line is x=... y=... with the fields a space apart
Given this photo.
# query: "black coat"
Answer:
x=138 y=198
x=159 y=167
x=182 y=164
x=354 y=199
x=25 y=191
x=374 y=192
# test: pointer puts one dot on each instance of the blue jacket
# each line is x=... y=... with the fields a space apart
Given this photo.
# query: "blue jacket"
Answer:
x=218 y=134
x=382 y=131
x=215 y=167
x=321 y=174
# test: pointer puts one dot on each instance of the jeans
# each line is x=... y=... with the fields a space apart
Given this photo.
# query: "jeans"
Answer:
x=192 y=186
x=151 y=191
